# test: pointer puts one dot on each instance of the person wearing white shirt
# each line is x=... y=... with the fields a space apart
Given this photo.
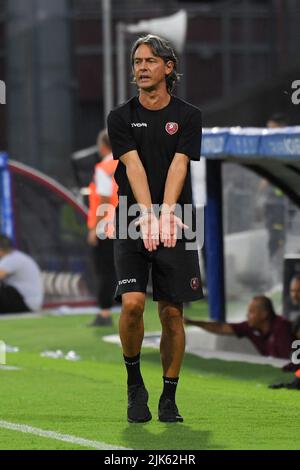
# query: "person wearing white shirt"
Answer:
x=21 y=284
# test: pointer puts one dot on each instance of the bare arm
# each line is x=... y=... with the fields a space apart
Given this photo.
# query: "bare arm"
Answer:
x=92 y=237
x=175 y=179
x=101 y=214
x=169 y=223
x=3 y=275
x=138 y=181
x=219 y=328
x=137 y=178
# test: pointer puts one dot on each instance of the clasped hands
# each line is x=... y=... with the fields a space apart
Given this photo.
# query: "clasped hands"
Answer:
x=164 y=230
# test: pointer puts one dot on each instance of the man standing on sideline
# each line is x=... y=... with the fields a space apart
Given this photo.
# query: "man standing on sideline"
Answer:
x=154 y=135
x=102 y=201
x=274 y=208
x=21 y=283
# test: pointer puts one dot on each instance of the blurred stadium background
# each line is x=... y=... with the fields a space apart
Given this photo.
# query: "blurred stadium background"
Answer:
x=238 y=61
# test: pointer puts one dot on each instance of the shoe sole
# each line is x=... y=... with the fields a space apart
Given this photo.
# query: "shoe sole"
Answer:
x=142 y=420
x=176 y=420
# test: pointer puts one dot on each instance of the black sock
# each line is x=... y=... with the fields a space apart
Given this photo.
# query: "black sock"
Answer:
x=170 y=385
x=134 y=376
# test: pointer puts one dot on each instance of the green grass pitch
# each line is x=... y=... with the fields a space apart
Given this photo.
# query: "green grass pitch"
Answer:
x=226 y=405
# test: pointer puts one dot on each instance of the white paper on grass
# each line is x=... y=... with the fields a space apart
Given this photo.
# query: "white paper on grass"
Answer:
x=12 y=349
x=58 y=354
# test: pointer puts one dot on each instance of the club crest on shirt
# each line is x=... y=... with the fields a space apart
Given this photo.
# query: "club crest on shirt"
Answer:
x=195 y=283
x=171 y=127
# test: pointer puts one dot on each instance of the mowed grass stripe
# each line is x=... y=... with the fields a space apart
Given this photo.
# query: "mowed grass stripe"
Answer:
x=225 y=405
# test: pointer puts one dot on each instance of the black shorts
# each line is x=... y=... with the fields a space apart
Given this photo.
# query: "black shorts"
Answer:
x=103 y=254
x=175 y=271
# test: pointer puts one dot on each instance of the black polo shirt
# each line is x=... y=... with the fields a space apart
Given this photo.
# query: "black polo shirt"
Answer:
x=156 y=136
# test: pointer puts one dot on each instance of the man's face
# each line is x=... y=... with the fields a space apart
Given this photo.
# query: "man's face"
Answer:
x=256 y=315
x=295 y=292
x=149 y=70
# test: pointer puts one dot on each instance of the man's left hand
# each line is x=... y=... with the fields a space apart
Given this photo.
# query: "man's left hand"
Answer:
x=169 y=224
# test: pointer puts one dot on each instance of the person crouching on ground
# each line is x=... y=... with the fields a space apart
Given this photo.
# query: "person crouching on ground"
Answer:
x=271 y=334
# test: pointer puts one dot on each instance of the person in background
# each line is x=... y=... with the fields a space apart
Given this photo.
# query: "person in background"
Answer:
x=293 y=315
x=277 y=120
x=294 y=312
x=271 y=334
x=103 y=190
x=273 y=200
x=21 y=284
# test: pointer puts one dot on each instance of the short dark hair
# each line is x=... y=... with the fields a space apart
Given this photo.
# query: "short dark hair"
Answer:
x=266 y=304
x=6 y=244
x=160 y=48
x=280 y=118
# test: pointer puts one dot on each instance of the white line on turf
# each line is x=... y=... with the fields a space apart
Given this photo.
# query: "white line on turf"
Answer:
x=9 y=368
x=59 y=437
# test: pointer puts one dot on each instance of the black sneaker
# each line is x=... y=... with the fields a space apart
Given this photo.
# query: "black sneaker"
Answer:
x=168 y=411
x=138 y=411
x=99 y=320
x=293 y=385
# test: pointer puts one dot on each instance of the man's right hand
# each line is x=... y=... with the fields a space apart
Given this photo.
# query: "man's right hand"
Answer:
x=149 y=226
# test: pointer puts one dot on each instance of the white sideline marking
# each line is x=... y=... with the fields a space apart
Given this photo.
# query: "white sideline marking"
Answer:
x=59 y=437
x=9 y=368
